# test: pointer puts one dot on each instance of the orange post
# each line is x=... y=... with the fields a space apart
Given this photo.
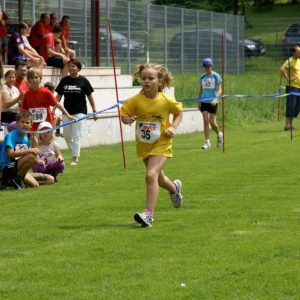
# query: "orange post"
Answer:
x=116 y=89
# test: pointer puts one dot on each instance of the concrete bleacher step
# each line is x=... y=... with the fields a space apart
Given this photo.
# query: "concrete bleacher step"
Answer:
x=99 y=77
x=90 y=71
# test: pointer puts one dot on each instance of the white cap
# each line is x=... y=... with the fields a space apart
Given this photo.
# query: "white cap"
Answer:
x=44 y=125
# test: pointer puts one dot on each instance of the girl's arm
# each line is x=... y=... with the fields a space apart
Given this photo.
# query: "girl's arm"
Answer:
x=219 y=90
x=128 y=120
x=58 y=156
x=200 y=94
x=170 y=132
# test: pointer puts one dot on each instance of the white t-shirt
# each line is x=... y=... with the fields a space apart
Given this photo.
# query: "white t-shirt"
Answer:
x=25 y=41
x=48 y=153
x=12 y=93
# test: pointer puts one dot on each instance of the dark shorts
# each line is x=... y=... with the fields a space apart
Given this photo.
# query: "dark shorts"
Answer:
x=55 y=61
x=212 y=109
x=292 y=103
x=8 y=116
x=10 y=171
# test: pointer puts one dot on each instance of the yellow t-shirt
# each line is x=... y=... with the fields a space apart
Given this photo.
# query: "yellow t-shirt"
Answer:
x=294 y=66
x=152 y=114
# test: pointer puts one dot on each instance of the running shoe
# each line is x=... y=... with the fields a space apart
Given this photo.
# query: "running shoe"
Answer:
x=177 y=198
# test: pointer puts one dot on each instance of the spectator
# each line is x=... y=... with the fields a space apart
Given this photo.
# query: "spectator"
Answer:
x=21 y=50
x=75 y=88
x=52 y=57
x=21 y=72
x=53 y=21
x=39 y=99
x=1 y=76
x=3 y=35
x=11 y=98
x=290 y=70
x=16 y=156
x=53 y=160
x=39 y=31
x=65 y=36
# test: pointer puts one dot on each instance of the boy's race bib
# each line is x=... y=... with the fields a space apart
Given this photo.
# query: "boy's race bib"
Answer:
x=38 y=114
x=148 y=132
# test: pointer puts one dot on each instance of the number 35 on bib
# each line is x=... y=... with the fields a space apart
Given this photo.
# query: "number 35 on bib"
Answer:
x=148 y=132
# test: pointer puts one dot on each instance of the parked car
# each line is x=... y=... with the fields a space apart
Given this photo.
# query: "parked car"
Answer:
x=209 y=44
x=291 y=38
x=120 y=44
x=254 y=47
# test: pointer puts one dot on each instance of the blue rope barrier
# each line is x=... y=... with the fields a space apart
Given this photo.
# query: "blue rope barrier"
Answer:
x=198 y=99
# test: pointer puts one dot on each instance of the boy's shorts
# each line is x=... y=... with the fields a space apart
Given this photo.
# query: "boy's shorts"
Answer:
x=212 y=109
x=9 y=174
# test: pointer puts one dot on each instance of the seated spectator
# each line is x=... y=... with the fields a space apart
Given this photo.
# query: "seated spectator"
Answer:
x=39 y=31
x=38 y=100
x=3 y=35
x=21 y=72
x=52 y=57
x=16 y=156
x=65 y=36
x=21 y=50
x=53 y=21
x=53 y=160
x=11 y=98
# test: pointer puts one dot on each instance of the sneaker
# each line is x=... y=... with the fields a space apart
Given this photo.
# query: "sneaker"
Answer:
x=206 y=146
x=220 y=139
x=177 y=198
x=18 y=183
x=144 y=218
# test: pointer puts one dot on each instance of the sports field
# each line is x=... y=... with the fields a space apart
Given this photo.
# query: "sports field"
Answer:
x=235 y=237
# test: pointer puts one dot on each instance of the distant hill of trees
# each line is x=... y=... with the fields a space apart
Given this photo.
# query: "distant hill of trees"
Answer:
x=236 y=6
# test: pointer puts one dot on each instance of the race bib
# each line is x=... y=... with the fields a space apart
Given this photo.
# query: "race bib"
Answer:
x=38 y=114
x=208 y=83
x=148 y=132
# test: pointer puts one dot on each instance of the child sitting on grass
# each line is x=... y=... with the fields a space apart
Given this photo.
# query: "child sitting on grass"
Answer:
x=50 y=154
x=16 y=156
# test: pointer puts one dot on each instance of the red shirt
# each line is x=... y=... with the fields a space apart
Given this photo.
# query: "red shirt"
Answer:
x=38 y=103
x=37 y=33
x=48 y=41
x=22 y=85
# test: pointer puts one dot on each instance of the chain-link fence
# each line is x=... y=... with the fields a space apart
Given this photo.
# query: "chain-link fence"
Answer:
x=179 y=38
x=277 y=35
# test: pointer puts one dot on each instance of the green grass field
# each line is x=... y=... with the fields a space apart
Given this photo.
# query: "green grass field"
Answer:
x=235 y=237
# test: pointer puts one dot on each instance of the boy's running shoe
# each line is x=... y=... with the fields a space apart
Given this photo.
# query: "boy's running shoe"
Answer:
x=177 y=198
x=144 y=218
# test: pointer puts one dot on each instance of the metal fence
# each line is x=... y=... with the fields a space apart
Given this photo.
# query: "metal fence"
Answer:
x=272 y=32
x=179 y=38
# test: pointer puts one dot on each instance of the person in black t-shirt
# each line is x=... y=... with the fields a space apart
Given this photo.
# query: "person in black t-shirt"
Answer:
x=75 y=88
